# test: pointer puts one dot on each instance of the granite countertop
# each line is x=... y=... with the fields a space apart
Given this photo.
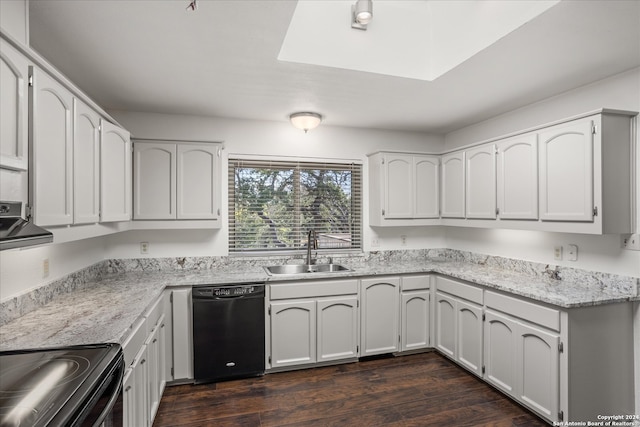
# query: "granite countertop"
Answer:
x=105 y=310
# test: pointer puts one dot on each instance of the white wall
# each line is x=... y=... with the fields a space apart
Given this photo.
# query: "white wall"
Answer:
x=21 y=270
x=266 y=139
x=599 y=253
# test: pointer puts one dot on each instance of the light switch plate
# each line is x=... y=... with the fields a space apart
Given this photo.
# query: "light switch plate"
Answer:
x=572 y=252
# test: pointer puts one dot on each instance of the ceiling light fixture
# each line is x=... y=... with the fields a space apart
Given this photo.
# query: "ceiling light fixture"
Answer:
x=305 y=120
x=361 y=14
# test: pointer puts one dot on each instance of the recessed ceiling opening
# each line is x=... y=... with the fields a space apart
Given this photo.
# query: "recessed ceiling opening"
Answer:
x=412 y=39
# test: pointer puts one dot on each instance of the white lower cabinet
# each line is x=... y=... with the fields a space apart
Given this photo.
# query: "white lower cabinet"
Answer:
x=337 y=328
x=145 y=377
x=459 y=323
x=415 y=313
x=293 y=333
x=380 y=315
x=522 y=358
x=182 y=334
x=312 y=322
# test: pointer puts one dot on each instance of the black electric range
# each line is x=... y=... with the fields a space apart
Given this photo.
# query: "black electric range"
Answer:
x=70 y=386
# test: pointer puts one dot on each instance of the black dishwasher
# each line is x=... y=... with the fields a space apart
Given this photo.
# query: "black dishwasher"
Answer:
x=228 y=332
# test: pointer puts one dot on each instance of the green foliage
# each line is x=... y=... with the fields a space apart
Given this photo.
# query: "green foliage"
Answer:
x=275 y=208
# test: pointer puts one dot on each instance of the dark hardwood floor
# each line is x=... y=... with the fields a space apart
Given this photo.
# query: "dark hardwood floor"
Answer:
x=418 y=390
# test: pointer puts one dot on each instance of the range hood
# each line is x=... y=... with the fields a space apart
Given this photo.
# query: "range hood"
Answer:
x=17 y=232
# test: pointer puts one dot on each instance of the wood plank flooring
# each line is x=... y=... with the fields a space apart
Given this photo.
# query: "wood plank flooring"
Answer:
x=417 y=390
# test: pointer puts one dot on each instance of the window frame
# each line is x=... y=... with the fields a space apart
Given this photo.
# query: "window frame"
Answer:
x=281 y=162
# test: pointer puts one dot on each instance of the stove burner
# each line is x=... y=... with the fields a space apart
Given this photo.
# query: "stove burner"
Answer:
x=33 y=385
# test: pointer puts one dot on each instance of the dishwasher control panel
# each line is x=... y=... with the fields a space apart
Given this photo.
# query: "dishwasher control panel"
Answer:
x=228 y=291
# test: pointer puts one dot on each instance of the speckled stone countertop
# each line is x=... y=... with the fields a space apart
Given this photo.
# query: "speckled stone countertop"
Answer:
x=104 y=309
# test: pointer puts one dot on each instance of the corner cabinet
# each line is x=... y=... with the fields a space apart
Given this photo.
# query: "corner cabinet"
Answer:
x=453 y=185
x=404 y=189
x=459 y=323
x=176 y=180
x=86 y=164
x=115 y=173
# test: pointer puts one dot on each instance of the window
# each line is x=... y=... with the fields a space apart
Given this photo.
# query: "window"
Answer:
x=274 y=204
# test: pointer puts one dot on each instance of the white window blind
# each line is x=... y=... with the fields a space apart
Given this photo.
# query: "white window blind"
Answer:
x=274 y=204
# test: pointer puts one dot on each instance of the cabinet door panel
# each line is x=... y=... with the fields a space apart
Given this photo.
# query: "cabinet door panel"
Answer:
x=154 y=181
x=469 y=337
x=427 y=185
x=453 y=182
x=399 y=182
x=566 y=172
x=500 y=352
x=446 y=324
x=337 y=328
x=52 y=139
x=538 y=360
x=380 y=316
x=415 y=320
x=14 y=70
x=182 y=334
x=518 y=177
x=115 y=173
x=293 y=333
x=86 y=164
x=480 y=188
x=198 y=182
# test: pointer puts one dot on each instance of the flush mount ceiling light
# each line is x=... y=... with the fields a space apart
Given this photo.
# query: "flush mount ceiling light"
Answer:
x=305 y=120
x=361 y=14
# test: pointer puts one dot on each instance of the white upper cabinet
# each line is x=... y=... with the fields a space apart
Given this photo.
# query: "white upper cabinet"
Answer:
x=404 y=189
x=14 y=70
x=176 y=180
x=86 y=164
x=154 y=181
x=52 y=143
x=426 y=171
x=399 y=186
x=480 y=174
x=518 y=177
x=198 y=181
x=566 y=172
x=453 y=185
x=115 y=173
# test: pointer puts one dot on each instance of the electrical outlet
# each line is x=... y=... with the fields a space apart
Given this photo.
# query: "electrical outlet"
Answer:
x=572 y=252
x=375 y=242
x=557 y=253
x=631 y=242
x=403 y=240
x=144 y=248
x=45 y=268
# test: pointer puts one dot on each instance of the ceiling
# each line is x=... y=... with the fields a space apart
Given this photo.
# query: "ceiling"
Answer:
x=222 y=60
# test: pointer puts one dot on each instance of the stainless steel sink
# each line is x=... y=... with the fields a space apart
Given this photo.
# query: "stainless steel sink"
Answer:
x=304 y=268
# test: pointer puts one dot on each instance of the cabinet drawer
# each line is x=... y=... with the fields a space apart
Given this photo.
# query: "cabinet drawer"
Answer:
x=535 y=313
x=458 y=289
x=313 y=289
x=134 y=341
x=413 y=283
